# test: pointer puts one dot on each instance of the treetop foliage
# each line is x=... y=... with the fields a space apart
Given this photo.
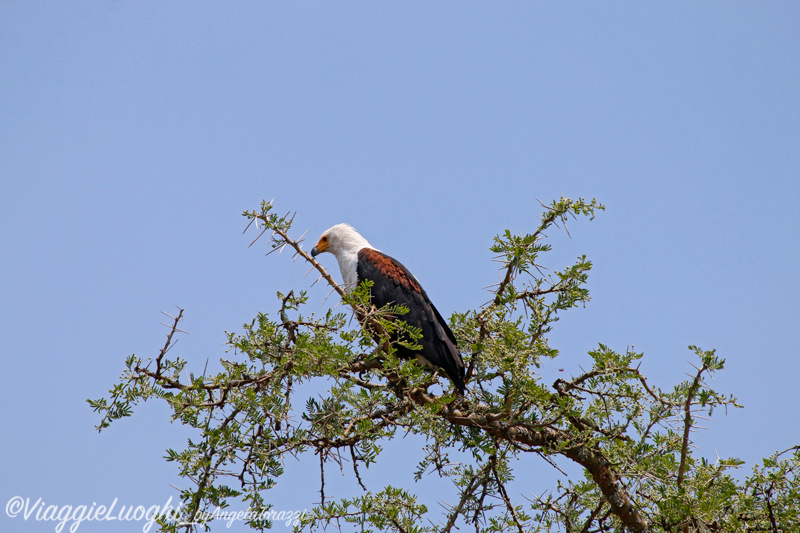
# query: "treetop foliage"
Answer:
x=630 y=438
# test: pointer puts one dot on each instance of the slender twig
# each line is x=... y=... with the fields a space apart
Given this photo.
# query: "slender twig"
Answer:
x=504 y=494
x=465 y=495
x=322 y=476
x=355 y=467
x=687 y=423
x=168 y=344
x=592 y=516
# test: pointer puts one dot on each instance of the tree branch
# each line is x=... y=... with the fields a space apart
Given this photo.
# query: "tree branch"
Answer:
x=550 y=439
x=687 y=423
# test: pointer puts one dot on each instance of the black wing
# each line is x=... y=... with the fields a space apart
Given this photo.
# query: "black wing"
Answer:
x=394 y=284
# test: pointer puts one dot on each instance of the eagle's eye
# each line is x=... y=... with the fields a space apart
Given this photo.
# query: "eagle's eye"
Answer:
x=324 y=238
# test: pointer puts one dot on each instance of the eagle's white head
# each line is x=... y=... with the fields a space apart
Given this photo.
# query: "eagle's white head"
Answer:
x=343 y=241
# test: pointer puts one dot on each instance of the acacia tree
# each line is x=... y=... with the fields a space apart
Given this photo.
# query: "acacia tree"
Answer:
x=630 y=438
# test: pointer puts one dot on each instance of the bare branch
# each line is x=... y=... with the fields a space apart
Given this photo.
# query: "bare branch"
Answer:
x=687 y=422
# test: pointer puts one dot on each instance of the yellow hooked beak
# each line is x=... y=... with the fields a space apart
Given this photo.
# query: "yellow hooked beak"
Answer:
x=321 y=246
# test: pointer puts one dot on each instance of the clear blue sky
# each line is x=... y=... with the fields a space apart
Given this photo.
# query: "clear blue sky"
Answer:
x=133 y=134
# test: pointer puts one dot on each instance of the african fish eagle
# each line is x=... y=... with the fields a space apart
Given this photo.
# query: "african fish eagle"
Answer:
x=392 y=283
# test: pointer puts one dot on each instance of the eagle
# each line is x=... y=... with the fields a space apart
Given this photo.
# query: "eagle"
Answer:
x=392 y=283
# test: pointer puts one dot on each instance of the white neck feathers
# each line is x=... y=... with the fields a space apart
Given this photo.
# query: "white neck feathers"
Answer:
x=344 y=242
